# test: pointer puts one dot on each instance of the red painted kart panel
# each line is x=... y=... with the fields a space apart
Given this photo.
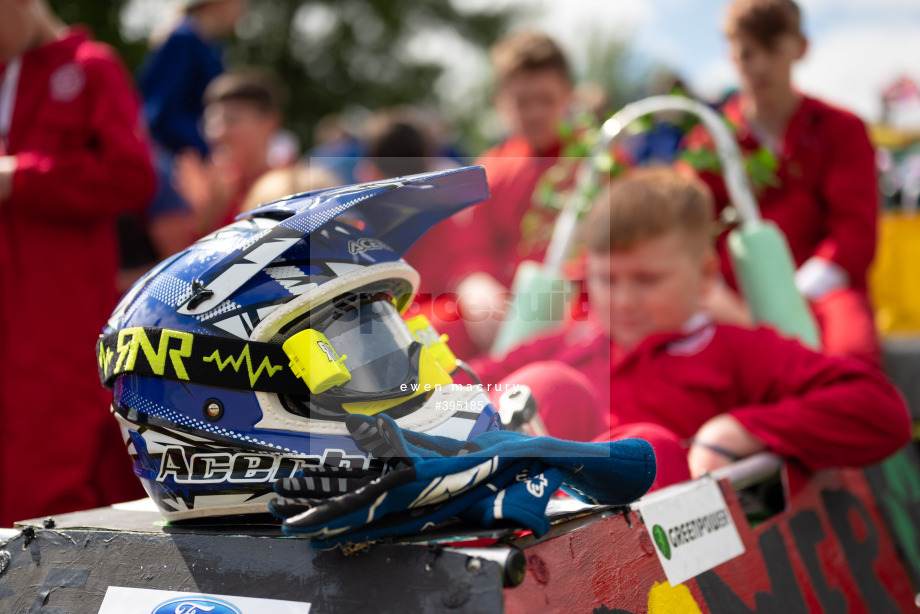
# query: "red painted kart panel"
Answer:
x=830 y=551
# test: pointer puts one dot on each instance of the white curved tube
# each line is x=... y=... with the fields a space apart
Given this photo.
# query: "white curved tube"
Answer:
x=736 y=179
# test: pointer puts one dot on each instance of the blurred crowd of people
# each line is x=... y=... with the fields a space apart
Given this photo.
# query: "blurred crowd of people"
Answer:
x=186 y=146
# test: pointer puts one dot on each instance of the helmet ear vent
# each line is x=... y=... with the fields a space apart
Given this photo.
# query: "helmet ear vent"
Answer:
x=213 y=410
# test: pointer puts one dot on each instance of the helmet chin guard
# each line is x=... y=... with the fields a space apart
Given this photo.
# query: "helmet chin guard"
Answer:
x=234 y=363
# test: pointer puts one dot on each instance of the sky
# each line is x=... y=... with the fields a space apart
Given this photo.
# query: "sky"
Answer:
x=856 y=46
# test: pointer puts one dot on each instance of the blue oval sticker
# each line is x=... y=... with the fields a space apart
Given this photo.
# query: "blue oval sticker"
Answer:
x=196 y=605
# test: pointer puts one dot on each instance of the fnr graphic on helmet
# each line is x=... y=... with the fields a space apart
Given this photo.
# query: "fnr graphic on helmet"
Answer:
x=235 y=362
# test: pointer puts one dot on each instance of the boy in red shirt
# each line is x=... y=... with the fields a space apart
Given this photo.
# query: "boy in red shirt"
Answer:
x=709 y=391
x=243 y=110
x=72 y=158
x=824 y=196
x=480 y=248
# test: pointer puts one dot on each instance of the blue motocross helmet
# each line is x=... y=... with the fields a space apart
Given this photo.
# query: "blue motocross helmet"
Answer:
x=235 y=362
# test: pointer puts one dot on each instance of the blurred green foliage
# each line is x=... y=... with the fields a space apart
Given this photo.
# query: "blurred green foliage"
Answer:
x=103 y=17
x=344 y=55
x=339 y=53
x=332 y=54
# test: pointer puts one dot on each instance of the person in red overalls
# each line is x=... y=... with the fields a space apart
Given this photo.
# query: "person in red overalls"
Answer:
x=73 y=157
x=824 y=196
x=702 y=394
x=479 y=249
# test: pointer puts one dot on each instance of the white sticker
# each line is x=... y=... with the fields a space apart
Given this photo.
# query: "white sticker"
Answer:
x=123 y=600
x=66 y=82
x=692 y=528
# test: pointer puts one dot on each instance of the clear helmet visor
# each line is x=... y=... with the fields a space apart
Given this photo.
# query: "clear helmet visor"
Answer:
x=374 y=342
x=357 y=355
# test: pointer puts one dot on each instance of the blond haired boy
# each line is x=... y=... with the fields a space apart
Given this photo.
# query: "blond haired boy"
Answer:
x=703 y=394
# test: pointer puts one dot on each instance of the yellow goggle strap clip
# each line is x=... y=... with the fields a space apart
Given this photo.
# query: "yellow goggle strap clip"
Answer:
x=315 y=361
x=436 y=344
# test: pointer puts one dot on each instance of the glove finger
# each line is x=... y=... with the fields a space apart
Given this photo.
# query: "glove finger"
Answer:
x=383 y=438
x=350 y=508
x=403 y=522
x=284 y=508
x=623 y=474
x=380 y=437
x=420 y=444
x=324 y=483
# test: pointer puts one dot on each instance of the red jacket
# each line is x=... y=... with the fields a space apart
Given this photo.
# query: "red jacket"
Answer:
x=498 y=234
x=826 y=202
x=81 y=161
x=820 y=410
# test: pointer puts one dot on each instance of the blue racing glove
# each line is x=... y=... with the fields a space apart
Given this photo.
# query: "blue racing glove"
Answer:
x=522 y=503
x=497 y=476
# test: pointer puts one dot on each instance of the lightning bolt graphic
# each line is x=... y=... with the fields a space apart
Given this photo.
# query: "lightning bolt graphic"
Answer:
x=236 y=363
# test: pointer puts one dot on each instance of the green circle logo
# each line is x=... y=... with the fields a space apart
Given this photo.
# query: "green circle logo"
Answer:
x=661 y=540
